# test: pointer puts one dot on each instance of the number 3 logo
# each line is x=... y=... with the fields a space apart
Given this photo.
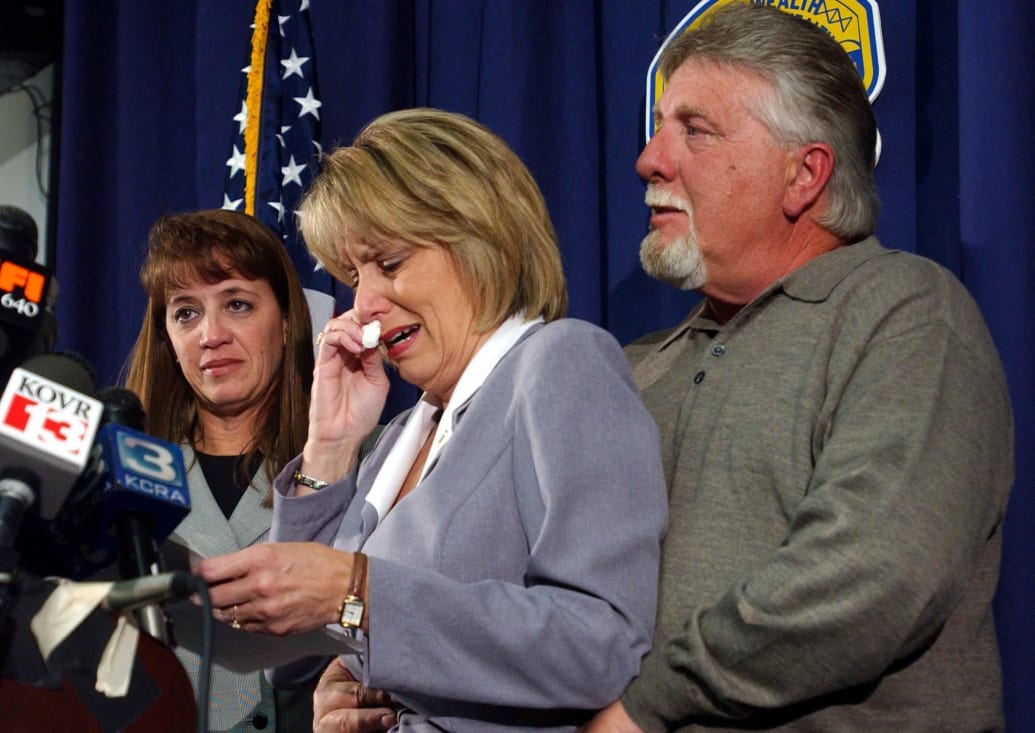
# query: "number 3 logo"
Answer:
x=151 y=459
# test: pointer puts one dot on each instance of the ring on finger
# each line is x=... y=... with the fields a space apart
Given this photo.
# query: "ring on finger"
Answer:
x=235 y=623
x=319 y=339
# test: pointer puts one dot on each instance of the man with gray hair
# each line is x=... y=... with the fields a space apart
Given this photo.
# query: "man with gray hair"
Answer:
x=836 y=431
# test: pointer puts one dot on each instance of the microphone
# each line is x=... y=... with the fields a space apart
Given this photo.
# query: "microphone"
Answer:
x=146 y=489
x=134 y=499
x=18 y=490
x=27 y=325
x=23 y=292
x=18 y=232
x=128 y=595
x=148 y=497
x=47 y=425
x=46 y=429
x=133 y=480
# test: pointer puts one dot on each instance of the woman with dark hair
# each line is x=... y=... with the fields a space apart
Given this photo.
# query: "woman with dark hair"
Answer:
x=223 y=365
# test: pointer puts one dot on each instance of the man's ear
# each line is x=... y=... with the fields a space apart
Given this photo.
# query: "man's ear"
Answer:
x=809 y=172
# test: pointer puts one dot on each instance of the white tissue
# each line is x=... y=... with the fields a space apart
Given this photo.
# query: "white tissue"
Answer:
x=371 y=334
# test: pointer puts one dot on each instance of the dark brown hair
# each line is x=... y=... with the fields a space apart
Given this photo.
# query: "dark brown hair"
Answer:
x=211 y=246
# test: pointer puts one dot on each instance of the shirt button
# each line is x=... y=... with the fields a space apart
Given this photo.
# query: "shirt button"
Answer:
x=260 y=721
x=699 y=377
x=719 y=350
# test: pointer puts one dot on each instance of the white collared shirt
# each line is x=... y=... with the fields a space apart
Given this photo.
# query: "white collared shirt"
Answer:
x=400 y=458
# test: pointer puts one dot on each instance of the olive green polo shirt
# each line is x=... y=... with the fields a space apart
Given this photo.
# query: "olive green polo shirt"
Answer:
x=838 y=458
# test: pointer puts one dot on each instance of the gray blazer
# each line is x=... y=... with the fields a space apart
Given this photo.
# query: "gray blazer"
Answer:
x=233 y=697
x=516 y=586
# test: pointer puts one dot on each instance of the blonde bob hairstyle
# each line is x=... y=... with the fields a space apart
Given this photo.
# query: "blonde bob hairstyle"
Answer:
x=211 y=246
x=434 y=178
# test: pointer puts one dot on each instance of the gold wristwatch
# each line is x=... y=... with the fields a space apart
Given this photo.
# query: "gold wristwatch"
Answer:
x=350 y=612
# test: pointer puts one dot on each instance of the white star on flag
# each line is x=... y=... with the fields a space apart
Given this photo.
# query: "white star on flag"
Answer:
x=293 y=65
x=310 y=104
x=241 y=118
x=235 y=162
x=234 y=205
x=291 y=171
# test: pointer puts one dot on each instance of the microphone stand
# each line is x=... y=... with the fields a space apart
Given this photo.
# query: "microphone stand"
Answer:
x=16 y=495
x=8 y=577
x=138 y=557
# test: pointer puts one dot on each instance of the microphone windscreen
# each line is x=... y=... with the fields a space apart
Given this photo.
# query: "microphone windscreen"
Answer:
x=122 y=407
x=19 y=235
x=66 y=368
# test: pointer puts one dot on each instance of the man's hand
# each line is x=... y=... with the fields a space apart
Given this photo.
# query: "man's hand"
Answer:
x=612 y=719
x=343 y=705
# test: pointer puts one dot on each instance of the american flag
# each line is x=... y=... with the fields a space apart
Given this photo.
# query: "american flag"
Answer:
x=276 y=140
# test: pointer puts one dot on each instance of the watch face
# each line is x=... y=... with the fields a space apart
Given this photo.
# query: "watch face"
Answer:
x=351 y=613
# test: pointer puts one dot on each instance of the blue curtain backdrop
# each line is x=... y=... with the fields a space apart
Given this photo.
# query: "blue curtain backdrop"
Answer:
x=150 y=88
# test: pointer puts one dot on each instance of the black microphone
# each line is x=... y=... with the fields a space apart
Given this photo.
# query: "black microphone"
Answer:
x=134 y=527
x=19 y=235
x=138 y=551
x=129 y=595
x=18 y=491
x=27 y=324
x=129 y=499
x=144 y=496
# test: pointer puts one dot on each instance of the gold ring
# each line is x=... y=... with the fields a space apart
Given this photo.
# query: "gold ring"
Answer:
x=319 y=339
x=235 y=624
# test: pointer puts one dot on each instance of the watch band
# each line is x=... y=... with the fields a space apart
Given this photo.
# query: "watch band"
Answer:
x=306 y=480
x=350 y=612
